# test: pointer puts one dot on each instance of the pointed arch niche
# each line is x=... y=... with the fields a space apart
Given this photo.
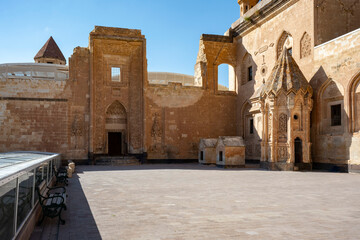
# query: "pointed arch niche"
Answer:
x=116 y=129
x=285 y=40
x=248 y=69
x=331 y=110
x=251 y=130
x=354 y=100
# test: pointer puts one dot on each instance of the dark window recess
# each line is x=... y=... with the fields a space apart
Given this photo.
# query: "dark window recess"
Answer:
x=336 y=115
x=202 y=155
x=290 y=51
x=251 y=126
x=220 y=156
x=250 y=74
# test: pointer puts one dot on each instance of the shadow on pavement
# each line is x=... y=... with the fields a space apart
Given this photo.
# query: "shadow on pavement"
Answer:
x=80 y=222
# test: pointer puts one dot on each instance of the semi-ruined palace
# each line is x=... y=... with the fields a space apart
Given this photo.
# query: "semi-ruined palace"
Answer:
x=292 y=100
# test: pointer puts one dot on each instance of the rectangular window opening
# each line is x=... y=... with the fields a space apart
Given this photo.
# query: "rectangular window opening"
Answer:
x=250 y=73
x=115 y=74
x=202 y=155
x=251 y=126
x=336 y=115
x=220 y=156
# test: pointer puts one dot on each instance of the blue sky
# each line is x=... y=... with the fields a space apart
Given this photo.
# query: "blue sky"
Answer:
x=172 y=28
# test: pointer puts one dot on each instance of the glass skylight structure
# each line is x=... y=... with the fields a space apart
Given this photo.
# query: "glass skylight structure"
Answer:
x=20 y=172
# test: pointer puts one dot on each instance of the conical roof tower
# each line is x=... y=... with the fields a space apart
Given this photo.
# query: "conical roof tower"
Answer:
x=50 y=53
x=287 y=76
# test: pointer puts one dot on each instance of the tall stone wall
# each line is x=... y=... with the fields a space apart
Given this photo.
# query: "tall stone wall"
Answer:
x=47 y=114
x=79 y=111
x=336 y=78
x=334 y=18
x=34 y=115
x=331 y=69
x=33 y=125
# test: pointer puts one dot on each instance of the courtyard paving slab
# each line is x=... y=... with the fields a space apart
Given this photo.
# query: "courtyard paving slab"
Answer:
x=188 y=201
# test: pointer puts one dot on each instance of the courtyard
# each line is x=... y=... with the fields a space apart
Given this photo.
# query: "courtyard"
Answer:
x=188 y=201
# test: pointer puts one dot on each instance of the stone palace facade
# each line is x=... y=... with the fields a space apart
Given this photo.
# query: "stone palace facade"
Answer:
x=293 y=93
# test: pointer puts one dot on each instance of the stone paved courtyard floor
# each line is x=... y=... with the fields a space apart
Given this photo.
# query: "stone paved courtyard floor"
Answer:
x=204 y=202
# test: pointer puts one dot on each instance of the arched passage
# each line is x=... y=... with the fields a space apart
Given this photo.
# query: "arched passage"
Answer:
x=298 y=150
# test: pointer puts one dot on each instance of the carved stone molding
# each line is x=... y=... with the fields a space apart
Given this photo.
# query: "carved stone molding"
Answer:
x=77 y=126
x=282 y=153
x=283 y=123
x=116 y=108
x=156 y=130
x=305 y=45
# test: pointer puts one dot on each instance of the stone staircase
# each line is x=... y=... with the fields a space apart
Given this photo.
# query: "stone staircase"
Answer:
x=117 y=161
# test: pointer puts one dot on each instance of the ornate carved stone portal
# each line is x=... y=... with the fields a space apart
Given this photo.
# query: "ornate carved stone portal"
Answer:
x=285 y=102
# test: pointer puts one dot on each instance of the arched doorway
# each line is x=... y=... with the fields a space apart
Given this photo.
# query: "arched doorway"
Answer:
x=298 y=150
x=116 y=126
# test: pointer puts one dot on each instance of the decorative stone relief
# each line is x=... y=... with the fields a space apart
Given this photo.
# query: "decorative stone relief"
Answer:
x=282 y=153
x=270 y=126
x=156 y=134
x=156 y=130
x=76 y=126
x=116 y=108
x=282 y=137
x=305 y=45
x=77 y=129
x=283 y=123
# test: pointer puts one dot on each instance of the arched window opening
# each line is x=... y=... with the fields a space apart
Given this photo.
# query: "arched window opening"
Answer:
x=247 y=69
x=226 y=78
x=285 y=41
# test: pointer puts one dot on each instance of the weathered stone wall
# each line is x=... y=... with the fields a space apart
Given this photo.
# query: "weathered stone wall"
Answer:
x=334 y=18
x=33 y=125
x=178 y=117
x=79 y=111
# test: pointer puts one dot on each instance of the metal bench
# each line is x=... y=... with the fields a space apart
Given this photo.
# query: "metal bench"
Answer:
x=61 y=175
x=53 y=203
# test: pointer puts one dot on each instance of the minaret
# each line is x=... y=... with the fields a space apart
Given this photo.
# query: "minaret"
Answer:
x=246 y=5
x=50 y=53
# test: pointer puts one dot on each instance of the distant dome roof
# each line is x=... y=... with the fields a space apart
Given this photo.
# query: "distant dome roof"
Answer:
x=50 y=50
x=286 y=75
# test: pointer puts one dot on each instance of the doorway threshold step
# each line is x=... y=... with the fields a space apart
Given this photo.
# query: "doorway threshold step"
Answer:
x=117 y=161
